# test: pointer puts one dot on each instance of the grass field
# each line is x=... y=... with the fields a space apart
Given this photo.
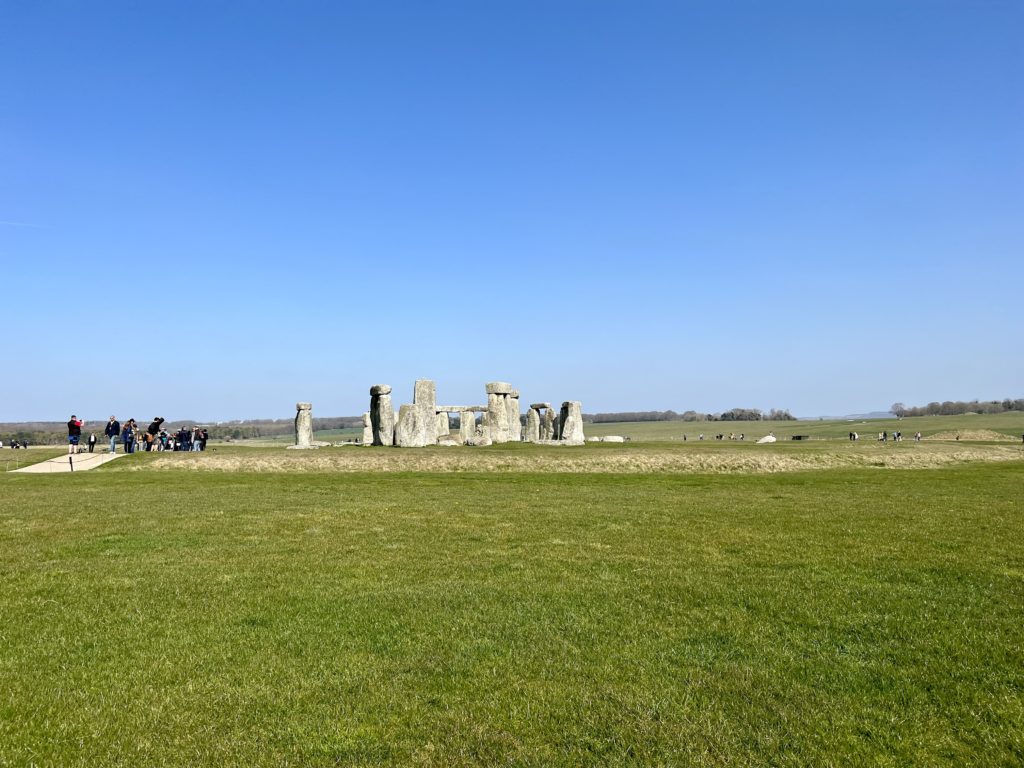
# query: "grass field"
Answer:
x=1009 y=424
x=514 y=612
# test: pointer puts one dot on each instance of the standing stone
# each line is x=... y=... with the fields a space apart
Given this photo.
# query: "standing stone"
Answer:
x=570 y=430
x=424 y=393
x=532 y=425
x=416 y=428
x=467 y=427
x=548 y=428
x=382 y=415
x=443 y=425
x=497 y=416
x=515 y=423
x=367 y=429
x=303 y=425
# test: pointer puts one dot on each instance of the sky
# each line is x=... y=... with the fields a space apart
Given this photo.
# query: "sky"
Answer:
x=213 y=210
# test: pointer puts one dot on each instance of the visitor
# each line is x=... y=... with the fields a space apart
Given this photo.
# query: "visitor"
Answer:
x=112 y=430
x=92 y=441
x=74 y=433
x=152 y=431
x=203 y=437
x=128 y=436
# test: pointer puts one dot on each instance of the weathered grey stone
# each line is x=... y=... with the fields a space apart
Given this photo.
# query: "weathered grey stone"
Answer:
x=548 y=425
x=425 y=392
x=482 y=436
x=303 y=425
x=443 y=425
x=540 y=406
x=532 y=425
x=417 y=427
x=448 y=441
x=515 y=424
x=498 y=388
x=382 y=415
x=497 y=417
x=570 y=429
x=613 y=439
x=367 y=429
x=467 y=427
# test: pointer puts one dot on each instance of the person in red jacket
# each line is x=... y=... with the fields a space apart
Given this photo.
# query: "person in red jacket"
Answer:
x=74 y=433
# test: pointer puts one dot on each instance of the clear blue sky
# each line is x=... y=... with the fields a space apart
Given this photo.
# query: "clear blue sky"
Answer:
x=213 y=210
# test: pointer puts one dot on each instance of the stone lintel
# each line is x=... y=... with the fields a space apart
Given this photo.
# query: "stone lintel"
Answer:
x=459 y=408
x=498 y=388
x=539 y=406
x=380 y=389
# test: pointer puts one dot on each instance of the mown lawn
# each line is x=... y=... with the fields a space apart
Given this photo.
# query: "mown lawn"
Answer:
x=856 y=617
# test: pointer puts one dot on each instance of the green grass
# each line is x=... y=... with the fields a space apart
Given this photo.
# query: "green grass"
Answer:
x=1010 y=424
x=830 y=618
x=11 y=459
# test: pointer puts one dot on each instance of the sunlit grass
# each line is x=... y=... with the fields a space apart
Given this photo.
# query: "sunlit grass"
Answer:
x=829 y=618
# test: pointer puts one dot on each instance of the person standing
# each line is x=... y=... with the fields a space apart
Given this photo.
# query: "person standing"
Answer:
x=74 y=433
x=112 y=430
x=152 y=431
x=126 y=436
x=92 y=441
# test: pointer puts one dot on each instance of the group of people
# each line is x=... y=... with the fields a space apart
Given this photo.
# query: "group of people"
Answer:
x=884 y=437
x=133 y=438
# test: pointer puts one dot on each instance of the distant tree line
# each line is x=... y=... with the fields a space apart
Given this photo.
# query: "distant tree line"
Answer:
x=735 y=414
x=957 y=407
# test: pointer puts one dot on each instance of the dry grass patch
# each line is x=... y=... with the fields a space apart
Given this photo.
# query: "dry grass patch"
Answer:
x=630 y=459
x=986 y=435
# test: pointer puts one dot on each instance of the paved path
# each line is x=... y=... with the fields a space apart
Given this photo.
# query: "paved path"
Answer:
x=82 y=463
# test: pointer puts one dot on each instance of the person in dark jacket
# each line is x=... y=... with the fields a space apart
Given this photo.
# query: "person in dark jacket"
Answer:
x=74 y=433
x=112 y=431
x=152 y=431
x=128 y=436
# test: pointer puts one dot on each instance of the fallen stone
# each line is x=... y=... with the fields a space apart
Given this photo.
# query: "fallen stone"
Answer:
x=767 y=439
